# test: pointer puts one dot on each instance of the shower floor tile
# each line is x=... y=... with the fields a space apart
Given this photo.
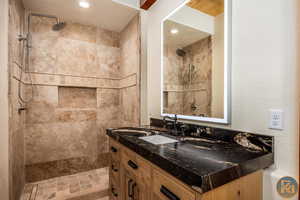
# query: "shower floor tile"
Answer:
x=90 y=185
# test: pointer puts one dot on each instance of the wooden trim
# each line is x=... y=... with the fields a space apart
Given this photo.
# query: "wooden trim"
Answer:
x=146 y=4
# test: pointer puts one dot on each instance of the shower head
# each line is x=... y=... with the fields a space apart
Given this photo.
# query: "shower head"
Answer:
x=58 y=26
x=180 y=52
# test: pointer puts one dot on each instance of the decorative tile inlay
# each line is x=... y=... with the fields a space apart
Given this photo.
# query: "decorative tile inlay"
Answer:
x=89 y=185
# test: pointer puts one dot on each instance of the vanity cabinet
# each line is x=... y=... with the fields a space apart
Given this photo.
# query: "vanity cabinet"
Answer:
x=134 y=178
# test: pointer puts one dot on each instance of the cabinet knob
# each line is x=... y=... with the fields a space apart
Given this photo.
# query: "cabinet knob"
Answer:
x=132 y=164
x=113 y=168
x=113 y=191
x=170 y=195
x=113 y=149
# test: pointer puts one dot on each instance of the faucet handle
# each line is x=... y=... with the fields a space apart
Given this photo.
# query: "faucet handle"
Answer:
x=184 y=126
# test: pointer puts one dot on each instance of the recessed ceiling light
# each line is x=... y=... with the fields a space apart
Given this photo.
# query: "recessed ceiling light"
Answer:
x=84 y=4
x=174 y=31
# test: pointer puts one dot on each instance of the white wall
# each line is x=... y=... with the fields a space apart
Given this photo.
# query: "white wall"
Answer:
x=264 y=75
x=194 y=19
x=131 y=3
x=4 y=182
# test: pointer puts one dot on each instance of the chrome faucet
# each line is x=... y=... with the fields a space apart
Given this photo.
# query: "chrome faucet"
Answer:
x=173 y=122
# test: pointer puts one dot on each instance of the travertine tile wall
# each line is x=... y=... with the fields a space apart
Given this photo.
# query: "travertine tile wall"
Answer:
x=173 y=84
x=187 y=79
x=16 y=120
x=197 y=79
x=130 y=68
x=83 y=84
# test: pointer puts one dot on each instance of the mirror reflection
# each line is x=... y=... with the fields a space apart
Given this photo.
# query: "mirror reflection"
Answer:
x=193 y=65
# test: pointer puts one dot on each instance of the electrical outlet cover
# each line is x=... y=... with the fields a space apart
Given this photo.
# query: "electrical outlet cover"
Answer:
x=276 y=119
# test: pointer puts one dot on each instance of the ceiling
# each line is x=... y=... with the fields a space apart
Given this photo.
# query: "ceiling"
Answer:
x=184 y=37
x=104 y=13
x=210 y=7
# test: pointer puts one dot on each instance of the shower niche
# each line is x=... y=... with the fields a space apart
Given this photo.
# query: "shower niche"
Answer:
x=196 y=61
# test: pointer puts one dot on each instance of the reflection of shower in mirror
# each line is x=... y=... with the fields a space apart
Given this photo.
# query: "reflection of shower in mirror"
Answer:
x=196 y=61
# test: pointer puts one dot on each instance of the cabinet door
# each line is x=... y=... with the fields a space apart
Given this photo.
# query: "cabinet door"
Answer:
x=133 y=189
x=245 y=188
x=142 y=191
x=230 y=191
x=114 y=190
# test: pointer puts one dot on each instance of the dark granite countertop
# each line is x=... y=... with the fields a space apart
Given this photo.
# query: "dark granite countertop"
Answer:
x=203 y=163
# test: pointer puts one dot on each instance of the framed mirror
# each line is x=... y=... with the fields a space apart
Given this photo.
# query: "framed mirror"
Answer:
x=196 y=61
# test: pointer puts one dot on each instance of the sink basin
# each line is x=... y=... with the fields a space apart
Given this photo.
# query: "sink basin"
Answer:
x=133 y=132
x=158 y=139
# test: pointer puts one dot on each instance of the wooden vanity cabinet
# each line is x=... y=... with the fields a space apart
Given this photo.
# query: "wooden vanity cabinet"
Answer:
x=134 y=178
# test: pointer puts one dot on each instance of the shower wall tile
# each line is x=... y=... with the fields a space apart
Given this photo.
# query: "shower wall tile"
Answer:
x=175 y=102
x=109 y=117
x=47 y=94
x=85 y=81
x=78 y=50
x=72 y=97
x=107 y=38
x=108 y=83
x=189 y=93
x=78 y=81
x=40 y=112
x=108 y=98
x=79 y=32
x=47 y=170
x=129 y=81
x=130 y=105
x=130 y=66
x=76 y=116
x=58 y=141
x=199 y=55
x=76 y=58
x=108 y=61
x=43 y=53
x=16 y=119
x=172 y=67
x=130 y=48
x=44 y=79
x=72 y=81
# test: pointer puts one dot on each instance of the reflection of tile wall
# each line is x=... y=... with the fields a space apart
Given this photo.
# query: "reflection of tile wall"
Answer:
x=78 y=90
x=188 y=79
x=197 y=78
x=16 y=120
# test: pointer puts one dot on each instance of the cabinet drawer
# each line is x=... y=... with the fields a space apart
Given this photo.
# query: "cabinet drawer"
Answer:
x=128 y=160
x=144 y=171
x=114 y=149
x=168 y=188
x=136 y=165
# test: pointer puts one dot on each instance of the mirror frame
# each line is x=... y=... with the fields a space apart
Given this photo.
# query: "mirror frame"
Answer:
x=227 y=68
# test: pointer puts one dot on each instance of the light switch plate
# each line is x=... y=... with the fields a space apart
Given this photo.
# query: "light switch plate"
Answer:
x=276 y=119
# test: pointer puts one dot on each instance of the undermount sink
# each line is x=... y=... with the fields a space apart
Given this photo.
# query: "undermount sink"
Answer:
x=133 y=132
x=158 y=139
x=150 y=136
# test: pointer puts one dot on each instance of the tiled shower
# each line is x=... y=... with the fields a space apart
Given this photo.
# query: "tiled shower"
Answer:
x=81 y=80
